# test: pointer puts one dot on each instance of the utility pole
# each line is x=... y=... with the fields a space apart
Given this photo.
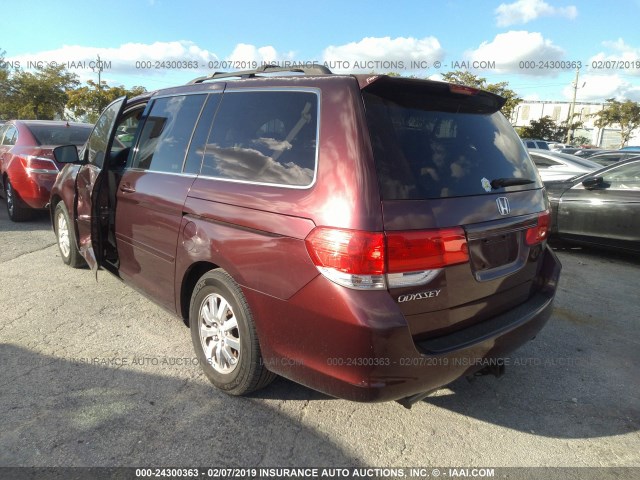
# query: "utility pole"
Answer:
x=572 y=107
x=99 y=67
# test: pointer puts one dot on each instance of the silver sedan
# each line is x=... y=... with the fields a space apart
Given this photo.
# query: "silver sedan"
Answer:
x=560 y=166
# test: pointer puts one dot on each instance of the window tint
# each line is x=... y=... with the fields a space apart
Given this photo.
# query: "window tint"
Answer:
x=265 y=137
x=424 y=152
x=166 y=133
x=199 y=141
x=60 y=134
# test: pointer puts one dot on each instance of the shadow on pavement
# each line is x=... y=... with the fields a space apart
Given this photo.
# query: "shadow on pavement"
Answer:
x=56 y=412
x=39 y=221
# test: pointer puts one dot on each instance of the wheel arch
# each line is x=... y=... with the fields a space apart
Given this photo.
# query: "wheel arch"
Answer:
x=53 y=203
x=191 y=277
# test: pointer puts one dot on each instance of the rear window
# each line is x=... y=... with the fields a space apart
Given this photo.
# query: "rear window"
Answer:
x=436 y=147
x=60 y=134
x=543 y=162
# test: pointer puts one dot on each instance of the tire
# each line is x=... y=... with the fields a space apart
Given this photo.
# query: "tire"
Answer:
x=17 y=210
x=224 y=335
x=66 y=237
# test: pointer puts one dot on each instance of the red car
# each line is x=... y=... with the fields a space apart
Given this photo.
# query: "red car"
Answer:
x=368 y=236
x=27 y=166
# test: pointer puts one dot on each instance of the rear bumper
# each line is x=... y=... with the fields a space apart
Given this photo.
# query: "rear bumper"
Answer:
x=33 y=188
x=362 y=349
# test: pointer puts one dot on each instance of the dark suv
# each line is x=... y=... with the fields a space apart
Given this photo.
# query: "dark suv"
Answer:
x=371 y=237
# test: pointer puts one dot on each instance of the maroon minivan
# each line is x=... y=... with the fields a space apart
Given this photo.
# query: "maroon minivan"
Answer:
x=371 y=237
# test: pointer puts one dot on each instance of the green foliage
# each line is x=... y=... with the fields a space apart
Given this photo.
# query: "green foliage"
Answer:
x=626 y=114
x=88 y=101
x=47 y=92
x=461 y=77
x=547 y=129
x=5 y=88
x=41 y=95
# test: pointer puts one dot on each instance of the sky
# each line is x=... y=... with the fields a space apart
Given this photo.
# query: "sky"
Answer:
x=534 y=45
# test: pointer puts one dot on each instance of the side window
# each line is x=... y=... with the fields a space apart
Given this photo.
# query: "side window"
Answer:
x=199 y=141
x=99 y=138
x=10 y=136
x=625 y=177
x=264 y=137
x=125 y=137
x=166 y=133
x=126 y=129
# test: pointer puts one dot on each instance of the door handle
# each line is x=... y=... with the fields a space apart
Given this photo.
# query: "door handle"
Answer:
x=127 y=188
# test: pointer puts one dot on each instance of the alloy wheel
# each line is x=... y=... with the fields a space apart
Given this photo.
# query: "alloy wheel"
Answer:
x=219 y=334
x=63 y=235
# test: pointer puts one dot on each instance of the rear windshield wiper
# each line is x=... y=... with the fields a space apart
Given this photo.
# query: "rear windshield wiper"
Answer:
x=509 y=182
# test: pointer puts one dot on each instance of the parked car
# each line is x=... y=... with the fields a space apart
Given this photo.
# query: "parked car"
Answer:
x=599 y=208
x=608 y=158
x=371 y=237
x=560 y=166
x=589 y=152
x=27 y=166
x=568 y=150
x=557 y=146
x=634 y=148
x=533 y=143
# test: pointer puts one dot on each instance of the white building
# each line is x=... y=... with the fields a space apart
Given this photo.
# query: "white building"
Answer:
x=559 y=111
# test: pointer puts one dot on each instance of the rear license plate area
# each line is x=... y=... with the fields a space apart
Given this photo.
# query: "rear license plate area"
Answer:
x=494 y=251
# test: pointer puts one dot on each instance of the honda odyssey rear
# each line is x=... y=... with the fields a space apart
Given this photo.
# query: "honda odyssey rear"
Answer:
x=371 y=237
x=461 y=256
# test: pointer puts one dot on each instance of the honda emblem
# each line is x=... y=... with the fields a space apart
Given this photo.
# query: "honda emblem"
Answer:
x=503 y=205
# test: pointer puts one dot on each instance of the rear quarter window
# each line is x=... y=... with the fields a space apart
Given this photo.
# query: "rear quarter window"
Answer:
x=424 y=149
x=267 y=137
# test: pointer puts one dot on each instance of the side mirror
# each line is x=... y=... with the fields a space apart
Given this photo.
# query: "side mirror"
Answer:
x=66 y=154
x=592 y=183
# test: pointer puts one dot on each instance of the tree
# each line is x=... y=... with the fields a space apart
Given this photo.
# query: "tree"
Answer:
x=41 y=95
x=461 y=77
x=88 y=101
x=547 y=129
x=626 y=114
x=5 y=88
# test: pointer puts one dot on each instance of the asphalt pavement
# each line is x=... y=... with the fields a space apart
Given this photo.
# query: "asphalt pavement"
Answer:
x=94 y=374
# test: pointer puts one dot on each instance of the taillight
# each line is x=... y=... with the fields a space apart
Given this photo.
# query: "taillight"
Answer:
x=351 y=258
x=34 y=164
x=539 y=233
x=370 y=260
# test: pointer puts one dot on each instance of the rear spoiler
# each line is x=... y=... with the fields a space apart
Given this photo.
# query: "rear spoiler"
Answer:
x=410 y=90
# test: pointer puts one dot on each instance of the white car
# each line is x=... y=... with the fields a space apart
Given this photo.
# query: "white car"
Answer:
x=560 y=166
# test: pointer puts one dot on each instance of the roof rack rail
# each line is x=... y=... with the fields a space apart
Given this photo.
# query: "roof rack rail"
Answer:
x=312 y=70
